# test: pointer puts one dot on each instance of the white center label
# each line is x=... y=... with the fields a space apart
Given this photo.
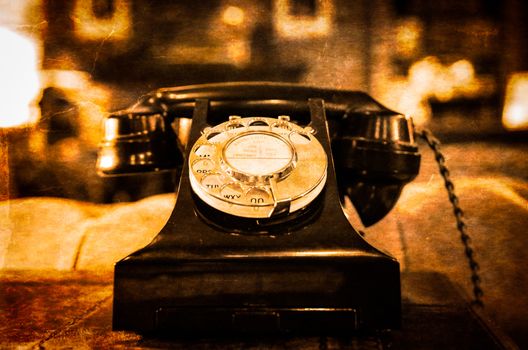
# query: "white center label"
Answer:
x=258 y=154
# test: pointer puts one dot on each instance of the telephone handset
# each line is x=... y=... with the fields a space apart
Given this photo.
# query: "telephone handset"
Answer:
x=373 y=148
x=257 y=240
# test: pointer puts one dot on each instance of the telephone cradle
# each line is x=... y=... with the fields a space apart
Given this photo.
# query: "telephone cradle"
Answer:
x=258 y=240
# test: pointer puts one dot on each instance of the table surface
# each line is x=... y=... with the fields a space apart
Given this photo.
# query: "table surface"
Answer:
x=491 y=180
x=73 y=310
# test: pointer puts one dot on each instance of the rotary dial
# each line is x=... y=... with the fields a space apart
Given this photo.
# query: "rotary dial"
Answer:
x=257 y=167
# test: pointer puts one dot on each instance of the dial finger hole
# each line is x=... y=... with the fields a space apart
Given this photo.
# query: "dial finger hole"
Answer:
x=232 y=192
x=203 y=166
x=204 y=151
x=300 y=139
x=258 y=123
x=211 y=135
x=256 y=196
x=212 y=181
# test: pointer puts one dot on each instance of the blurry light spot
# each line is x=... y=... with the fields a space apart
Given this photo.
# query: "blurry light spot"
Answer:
x=182 y=127
x=429 y=78
x=239 y=52
x=302 y=26
x=114 y=26
x=423 y=73
x=515 y=114
x=66 y=79
x=462 y=72
x=233 y=15
x=408 y=35
x=19 y=82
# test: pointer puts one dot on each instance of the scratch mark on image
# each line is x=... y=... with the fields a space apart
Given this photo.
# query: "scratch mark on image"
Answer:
x=100 y=47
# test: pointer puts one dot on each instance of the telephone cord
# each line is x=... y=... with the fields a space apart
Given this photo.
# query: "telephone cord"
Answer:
x=434 y=144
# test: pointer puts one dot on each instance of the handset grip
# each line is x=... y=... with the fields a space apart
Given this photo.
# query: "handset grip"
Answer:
x=136 y=142
x=141 y=139
x=375 y=155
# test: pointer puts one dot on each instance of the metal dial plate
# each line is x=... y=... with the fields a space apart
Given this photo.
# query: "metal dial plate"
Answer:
x=257 y=167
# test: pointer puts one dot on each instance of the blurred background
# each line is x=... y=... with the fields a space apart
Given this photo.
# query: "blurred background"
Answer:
x=458 y=67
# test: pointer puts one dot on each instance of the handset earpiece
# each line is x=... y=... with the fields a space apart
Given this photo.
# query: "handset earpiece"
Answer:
x=137 y=142
x=375 y=156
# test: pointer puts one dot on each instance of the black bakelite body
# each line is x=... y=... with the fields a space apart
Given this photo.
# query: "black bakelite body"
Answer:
x=209 y=272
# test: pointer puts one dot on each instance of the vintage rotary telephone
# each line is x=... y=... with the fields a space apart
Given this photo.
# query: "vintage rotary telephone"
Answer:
x=258 y=240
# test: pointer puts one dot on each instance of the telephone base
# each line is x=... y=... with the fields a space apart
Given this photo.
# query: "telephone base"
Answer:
x=311 y=273
x=309 y=294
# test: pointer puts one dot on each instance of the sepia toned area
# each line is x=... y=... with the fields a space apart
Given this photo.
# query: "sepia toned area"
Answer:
x=459 y=68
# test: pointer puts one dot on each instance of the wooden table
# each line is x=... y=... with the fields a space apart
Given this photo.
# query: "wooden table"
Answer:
x=73 y=310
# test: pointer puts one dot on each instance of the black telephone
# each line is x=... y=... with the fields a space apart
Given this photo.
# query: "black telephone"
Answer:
x=258 y=240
